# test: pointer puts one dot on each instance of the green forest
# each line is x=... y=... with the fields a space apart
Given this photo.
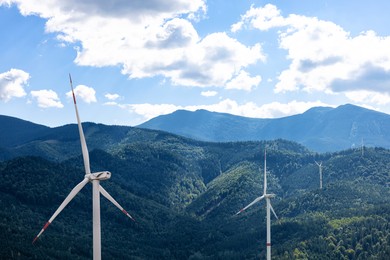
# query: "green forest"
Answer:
x=184 y=195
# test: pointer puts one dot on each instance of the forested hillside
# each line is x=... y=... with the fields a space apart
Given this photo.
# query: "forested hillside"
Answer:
x=184 y=195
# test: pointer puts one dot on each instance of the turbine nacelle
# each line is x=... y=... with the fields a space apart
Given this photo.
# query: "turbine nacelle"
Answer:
x=269 y=195
x=101 y=176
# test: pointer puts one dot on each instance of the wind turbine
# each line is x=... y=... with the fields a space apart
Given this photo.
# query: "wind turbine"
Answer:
x=320 y=170
x=95 y=179
x=267 y=197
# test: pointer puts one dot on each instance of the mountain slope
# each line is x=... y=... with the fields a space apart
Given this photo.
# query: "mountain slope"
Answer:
x=180 y=219
x=184 y=194
x=15 y=131
x=320 y=129
x=207 y=126
x=22 y=138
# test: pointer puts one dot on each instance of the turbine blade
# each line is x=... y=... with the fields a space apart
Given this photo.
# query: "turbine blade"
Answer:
x=273 y=211
x=250 y=204
x=70 y=196
x=84 y=148
x=110 y=198
x=318 y=163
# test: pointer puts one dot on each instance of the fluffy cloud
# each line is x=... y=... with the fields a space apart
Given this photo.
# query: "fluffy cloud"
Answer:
x=148 y=111
x=209 y=93
x=243 y=82
x=249 y=109
x=364 y=96
x=135 y=10
x=112 y=96
x=263 y=18
x=47 y=98
x=12 y=84
x=212 y=62
x=324 y=57
x=146 y=39
x=87 y=94
x=277 y=109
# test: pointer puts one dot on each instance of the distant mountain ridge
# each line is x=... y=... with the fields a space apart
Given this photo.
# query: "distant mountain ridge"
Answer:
x=22 y=138
x=321 y=129
x=15 y=131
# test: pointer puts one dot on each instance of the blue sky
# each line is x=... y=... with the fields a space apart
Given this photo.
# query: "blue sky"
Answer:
x=133 y=60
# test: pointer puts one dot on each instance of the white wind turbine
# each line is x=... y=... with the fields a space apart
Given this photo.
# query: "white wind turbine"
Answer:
x=267 y=197
x=320 y=171
x=95 y=179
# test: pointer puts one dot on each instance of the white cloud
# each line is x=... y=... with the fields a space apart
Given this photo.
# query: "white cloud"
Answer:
x=112 y=96
x=263 y=18
x=111 y=103
x=243 y=82
x=47 y=98
x=364 y=96
x=87 y=94
x=324 y=57
x=249 y=109
x=277 y=109
x=12 y=84
x=149 y=111
x=212 y=61
x=209 y=93
x=135 y=10
x=146 y=39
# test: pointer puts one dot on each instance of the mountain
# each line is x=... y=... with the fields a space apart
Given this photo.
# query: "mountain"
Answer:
x=21 y=138
x=16 y=131
x=184 y=194
x=181 y=216
x=321 y=129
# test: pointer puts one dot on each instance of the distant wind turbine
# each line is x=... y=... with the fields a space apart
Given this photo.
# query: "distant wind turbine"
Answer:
x=267 y=198
x=320 y=171
x=95 y=179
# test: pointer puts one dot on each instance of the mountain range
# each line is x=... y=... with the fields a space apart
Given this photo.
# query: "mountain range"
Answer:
x=184 y=194
x=321 y=129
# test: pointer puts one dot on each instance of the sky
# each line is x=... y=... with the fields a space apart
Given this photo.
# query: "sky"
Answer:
x=131 y=61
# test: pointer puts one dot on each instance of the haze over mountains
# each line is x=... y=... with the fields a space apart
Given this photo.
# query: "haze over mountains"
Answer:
x=320 y=129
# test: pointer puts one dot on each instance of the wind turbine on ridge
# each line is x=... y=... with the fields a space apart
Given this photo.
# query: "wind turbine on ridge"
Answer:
x=95 y=179
x=320 y=171
x=267 y=197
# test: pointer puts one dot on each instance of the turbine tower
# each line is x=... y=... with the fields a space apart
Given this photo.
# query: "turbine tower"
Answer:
x=320 y=171
x=267 y=197
x=93 y=178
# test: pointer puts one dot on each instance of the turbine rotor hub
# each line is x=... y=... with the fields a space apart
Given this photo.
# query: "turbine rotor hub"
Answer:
x=103 y=175
x=271 y=195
